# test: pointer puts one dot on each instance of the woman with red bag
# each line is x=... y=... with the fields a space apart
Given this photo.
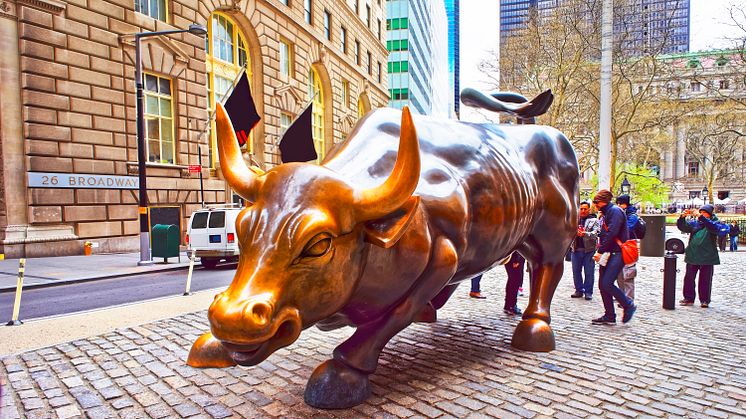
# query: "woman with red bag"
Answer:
x=613 y=232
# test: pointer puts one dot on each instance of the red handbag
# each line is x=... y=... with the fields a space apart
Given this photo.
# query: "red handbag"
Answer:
x=630 y=251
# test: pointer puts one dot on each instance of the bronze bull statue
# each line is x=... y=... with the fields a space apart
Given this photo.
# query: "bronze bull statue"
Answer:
x=381 y=234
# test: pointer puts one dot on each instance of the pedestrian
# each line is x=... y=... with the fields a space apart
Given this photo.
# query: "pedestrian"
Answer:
x=475 y=290
x=613 y=232
x=734 y=232
x=514 y=268
x=581 y=252
x=626 y=279
x=722 y=238
x=701 y=253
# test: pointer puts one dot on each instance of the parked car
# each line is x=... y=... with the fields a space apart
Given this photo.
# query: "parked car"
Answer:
x=211 y=235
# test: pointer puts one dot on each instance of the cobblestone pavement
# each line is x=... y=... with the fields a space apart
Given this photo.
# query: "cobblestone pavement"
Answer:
x=689 y=362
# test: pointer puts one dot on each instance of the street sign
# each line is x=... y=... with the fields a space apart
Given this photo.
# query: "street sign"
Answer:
x=195 y=168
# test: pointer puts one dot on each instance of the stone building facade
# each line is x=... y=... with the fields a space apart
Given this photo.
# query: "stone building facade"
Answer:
x=68 y=105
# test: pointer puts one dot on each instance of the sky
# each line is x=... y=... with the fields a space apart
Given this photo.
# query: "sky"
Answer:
x=709 y=29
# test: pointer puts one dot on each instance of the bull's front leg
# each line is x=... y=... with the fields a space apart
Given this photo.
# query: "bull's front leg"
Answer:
x=533 y=333
x=343 y=382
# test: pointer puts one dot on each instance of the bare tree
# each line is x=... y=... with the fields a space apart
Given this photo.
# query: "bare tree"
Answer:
x=717 y=143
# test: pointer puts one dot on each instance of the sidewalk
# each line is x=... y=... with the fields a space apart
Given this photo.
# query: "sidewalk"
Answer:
x=43 y=272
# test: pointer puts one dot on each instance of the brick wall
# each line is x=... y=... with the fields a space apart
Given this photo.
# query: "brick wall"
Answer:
x=78 y=96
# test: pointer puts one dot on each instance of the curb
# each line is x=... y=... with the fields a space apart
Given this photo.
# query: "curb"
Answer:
x=94 y=278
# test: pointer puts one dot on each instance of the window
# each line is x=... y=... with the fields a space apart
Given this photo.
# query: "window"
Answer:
x=316 y=94
x=693 y=168
x=307 y=6
x=286 y=58
x=285 y=120
x=217 y=219
x=328 y=24
x=357 y=52
x=725 y=84
x=397 y=45
x=379 y=30
x=343 y=39
x=399 y=94
x=367 y=16
x=398 y=66
x=397 y=23
x=199 y=220
x=370 y=64
x=345 y=93
x=285 y=2
x=153 y=8
x=379 y=72
x=226 y=54
x=695 y=86
x=694 y=194
x=159 y=125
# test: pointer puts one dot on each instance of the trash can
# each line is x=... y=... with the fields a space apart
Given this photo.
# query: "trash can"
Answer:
x=166 y=240
x=655 y=235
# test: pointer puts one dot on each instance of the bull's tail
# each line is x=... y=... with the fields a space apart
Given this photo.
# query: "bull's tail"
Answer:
x=507 y=102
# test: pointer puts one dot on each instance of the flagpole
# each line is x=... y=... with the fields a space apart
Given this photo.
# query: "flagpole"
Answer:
x=227 y=94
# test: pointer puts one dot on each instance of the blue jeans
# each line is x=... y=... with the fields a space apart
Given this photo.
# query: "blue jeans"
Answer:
x=475 y=283
x=609 y=291
x=733 y=243
x=582 y=261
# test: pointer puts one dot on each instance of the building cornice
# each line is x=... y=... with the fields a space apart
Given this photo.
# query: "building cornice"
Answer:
x=51 y=6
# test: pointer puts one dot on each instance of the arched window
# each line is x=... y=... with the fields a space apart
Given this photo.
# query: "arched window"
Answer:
x=227 y=53
x=317 y=123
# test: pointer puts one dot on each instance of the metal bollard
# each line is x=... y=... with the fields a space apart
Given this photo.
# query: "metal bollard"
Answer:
x=669 y=280
x=19 y=289
x=189 y=275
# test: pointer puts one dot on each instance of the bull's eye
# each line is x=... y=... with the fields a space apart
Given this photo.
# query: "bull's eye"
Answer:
x=318 y=246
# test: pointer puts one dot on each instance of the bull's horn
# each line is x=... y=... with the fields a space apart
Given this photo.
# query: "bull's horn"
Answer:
x=242 y=179
x=400 y=185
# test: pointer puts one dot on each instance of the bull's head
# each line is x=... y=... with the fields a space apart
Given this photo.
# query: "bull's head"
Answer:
x=302 y=241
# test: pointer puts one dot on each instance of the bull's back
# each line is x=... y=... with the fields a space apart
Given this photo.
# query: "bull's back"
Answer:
x=476 y=185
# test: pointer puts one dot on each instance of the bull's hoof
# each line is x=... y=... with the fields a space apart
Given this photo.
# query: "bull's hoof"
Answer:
x=333 y=385
x=208 y=352
x=533 y=335
x=427 y=314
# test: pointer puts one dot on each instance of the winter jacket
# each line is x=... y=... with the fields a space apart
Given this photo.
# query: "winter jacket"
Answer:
x=632 y=220
x=735 y=230
x=702 y=248
x=591 y=225
x=613 y=226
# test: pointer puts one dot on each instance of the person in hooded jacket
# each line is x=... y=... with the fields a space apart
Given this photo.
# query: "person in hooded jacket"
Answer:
x=701 y=254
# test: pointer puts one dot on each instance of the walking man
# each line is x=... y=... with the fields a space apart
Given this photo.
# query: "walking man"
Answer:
x=514 y=268
x=626 y=278
x=582 y=250
x=701 y=253
x=613 y=231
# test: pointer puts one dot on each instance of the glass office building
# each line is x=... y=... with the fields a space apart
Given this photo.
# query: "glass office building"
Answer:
x=417 y=66
x=452 y=12
x=642 y=26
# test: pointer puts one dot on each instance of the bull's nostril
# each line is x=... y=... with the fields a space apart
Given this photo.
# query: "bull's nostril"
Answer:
x=258 y=312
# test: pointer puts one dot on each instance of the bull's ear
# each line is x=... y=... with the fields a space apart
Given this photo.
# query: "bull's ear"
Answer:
x=386 y=231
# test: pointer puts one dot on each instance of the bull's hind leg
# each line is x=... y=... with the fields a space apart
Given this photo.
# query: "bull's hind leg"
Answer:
x=533 y=333
x=343 y=382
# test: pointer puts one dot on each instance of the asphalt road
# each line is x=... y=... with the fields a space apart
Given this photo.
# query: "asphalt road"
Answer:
x=84 y=296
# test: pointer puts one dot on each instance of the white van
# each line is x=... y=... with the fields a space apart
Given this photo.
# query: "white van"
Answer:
x=211 y=234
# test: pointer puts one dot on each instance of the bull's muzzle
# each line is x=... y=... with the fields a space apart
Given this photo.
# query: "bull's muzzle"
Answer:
x=252 y=329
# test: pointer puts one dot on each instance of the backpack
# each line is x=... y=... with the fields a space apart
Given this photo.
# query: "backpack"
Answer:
x=640 y=228
x=723 y=229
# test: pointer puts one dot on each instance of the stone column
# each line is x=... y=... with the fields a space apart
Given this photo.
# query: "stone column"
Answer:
x=13 y=199
x=681 y=170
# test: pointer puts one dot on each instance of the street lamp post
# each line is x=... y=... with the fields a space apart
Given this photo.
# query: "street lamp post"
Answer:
x=141 y=146
x=705 y=193
x=626 y=186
